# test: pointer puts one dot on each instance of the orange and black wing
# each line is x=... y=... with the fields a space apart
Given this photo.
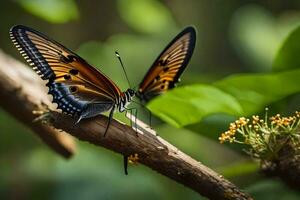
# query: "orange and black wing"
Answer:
x=169 y=65
x=73 y=83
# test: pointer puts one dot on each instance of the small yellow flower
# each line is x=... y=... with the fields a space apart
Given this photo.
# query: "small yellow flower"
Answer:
x=297 y=114
x=255 y=119
x=133 y=159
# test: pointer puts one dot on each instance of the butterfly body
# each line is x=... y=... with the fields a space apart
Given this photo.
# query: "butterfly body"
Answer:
x=77 y=88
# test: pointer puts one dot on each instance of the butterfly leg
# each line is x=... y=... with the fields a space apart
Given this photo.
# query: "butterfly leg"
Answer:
x=130 y=117
x=109 y=119
x=135 y=121
x=125 y=164
x=150 y=116
x=130 y=111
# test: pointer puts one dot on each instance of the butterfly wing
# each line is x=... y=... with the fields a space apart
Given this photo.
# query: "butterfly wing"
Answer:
x=167 y=68
x=78 y=88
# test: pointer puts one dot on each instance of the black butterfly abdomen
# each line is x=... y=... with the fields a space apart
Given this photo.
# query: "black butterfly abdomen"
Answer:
x=30 y=52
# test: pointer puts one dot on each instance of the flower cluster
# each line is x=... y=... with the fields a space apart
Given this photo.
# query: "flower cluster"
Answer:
x=264 y=137
x=233 y=128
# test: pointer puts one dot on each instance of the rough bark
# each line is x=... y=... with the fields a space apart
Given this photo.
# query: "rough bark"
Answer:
x=22 y=92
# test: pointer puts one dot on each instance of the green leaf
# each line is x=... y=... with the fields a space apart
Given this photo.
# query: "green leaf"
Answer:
x=256 y=91
x=257 y=34
x=288 y=56
x=55 y=11
x=236 y=95
x=148 y=16
x=187 y=105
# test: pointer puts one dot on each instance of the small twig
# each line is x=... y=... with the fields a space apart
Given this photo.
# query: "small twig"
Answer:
x=152 y=150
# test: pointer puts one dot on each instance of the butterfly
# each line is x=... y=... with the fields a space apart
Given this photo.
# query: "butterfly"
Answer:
x=78 y=88
x=83 y=91
x=168 y=67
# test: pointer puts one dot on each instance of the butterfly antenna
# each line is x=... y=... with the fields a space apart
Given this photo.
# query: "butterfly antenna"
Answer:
x=119 y=58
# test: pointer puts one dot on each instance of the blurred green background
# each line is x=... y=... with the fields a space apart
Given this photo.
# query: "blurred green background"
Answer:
x=246 y=58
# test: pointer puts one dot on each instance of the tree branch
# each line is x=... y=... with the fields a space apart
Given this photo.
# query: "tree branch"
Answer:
x=152 y=150
x=286 y=166
x=21 y=92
